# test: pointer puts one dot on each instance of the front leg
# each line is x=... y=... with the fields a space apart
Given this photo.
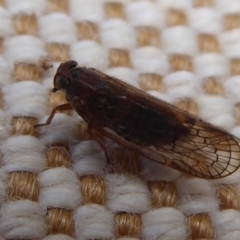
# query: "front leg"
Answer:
x=63 y=107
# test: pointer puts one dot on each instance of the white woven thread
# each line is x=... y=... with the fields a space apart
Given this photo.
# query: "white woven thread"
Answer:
x=124 y=193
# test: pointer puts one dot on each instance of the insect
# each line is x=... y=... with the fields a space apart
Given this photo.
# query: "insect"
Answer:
x=142 y=123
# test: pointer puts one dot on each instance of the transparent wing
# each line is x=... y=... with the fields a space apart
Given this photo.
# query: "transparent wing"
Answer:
x=206 y=152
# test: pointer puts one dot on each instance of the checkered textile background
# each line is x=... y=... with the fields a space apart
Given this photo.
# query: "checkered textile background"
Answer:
x=52 y=180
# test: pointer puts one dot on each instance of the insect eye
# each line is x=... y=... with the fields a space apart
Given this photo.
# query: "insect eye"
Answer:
x=61 y=82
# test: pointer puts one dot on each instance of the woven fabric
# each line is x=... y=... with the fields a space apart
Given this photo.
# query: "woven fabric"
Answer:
x=52 y=182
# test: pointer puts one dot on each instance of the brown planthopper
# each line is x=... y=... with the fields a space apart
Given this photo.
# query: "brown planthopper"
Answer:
x=149 y=126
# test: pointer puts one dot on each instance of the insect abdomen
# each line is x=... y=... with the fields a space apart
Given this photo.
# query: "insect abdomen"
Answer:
x=135 y=122
x=146 y=127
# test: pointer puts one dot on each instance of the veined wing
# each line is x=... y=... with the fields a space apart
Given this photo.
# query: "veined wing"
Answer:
x=206 y=152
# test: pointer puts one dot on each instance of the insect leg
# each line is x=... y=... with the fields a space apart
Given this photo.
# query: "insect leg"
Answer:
x=63 y=107
x=98 y=139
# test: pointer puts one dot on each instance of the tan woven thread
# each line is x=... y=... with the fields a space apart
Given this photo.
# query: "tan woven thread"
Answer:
x=24 y=71
x=1 y=45
x=60 y=221
x=180 y=62
x=213 y=86
x=176 y=17
x=200 y=226
x=163 y=194
x=232 y=21
x=237 y=113
x=151 y=81
x=203 y=3
x=58 y=6
x=208 y=43
x=114 y=10
x=88 y=31
x=58 y=52
x=228 y=197
x=235 y=66
x=148 y=36
x=128 y=225
x=22 y=185
x=26 y=24
x=24 y=126
x=1 y=101
x=187 y=104
x=58 y=156
x=2 y=3
x=119 y=57
x=93 y=190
